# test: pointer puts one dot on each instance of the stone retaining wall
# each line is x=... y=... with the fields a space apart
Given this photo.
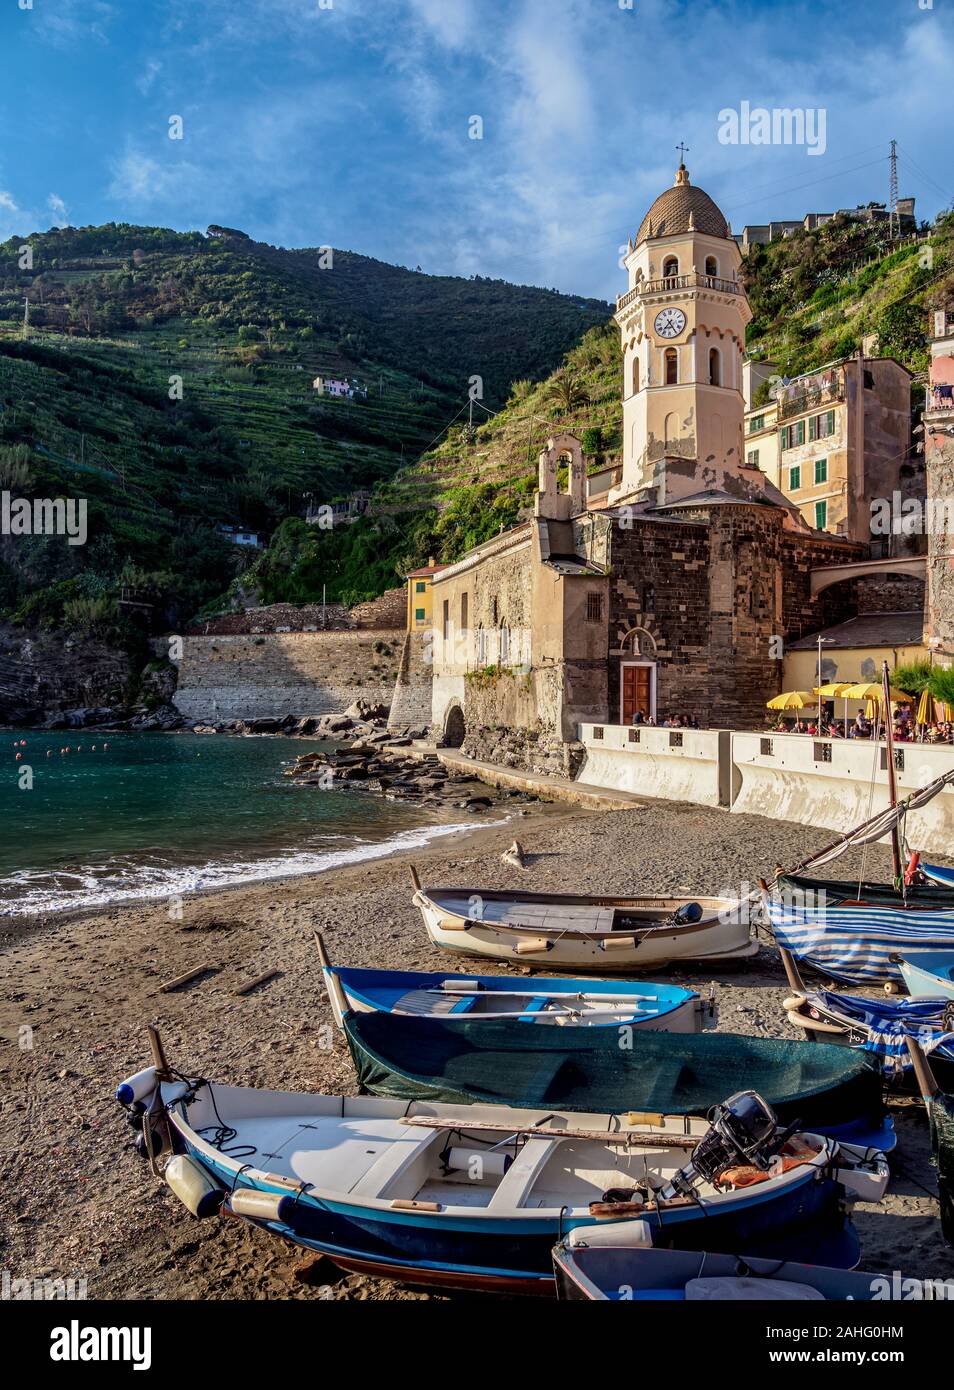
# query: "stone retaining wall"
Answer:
x=277 y=674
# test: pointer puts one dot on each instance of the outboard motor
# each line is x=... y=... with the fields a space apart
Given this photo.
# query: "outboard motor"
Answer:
x=743 y=1129
x=686 y=915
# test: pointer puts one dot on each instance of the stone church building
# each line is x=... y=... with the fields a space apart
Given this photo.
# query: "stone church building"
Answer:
x=676 y=591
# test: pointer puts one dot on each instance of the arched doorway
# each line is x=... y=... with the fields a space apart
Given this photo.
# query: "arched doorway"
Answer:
x=637 y=677
x=454 y=727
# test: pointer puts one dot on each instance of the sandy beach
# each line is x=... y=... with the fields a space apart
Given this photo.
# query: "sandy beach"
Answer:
x=76 y=994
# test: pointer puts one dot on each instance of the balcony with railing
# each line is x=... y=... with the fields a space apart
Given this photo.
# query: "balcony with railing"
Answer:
x=939 y=400
x=669 y=283
x=811 y=394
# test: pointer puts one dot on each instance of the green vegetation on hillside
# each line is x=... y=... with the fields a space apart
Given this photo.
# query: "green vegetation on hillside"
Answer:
x=816 y=295
x=166 y=378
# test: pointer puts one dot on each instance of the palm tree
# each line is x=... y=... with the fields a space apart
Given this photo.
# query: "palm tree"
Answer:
x=568 y=392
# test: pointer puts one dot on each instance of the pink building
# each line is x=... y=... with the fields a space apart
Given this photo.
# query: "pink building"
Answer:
x=939 y=469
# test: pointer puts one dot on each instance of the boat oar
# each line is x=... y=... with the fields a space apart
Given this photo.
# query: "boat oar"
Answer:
x=639 y=1140
x=622 y=1013
x=557 y=997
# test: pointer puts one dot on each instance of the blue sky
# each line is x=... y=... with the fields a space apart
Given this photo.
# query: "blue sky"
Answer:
x=347 y=122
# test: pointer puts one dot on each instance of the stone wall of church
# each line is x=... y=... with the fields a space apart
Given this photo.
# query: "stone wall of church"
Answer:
x=659 y=609
x=713 y=599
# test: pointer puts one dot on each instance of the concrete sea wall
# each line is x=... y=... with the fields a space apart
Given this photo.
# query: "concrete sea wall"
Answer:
x=830 y=783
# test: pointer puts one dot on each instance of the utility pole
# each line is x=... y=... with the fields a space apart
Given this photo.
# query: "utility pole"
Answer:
x=26 y=315
x=894 y=224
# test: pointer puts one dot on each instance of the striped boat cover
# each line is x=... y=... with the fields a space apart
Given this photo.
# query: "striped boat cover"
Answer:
x=889 y=1022
x=855 y=943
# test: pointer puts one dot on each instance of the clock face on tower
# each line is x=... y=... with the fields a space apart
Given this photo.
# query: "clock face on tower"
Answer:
x=669 y=323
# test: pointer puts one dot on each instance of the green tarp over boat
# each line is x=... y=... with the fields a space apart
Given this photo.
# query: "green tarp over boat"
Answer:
x=609 y=1070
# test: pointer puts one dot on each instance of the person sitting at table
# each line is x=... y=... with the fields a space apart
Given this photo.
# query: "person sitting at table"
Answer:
x=861 y=727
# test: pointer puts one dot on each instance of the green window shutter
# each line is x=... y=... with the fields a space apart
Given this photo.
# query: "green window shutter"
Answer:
x=419 y=615
x=821 y=515
x=795 y=478
x=821 y=470
x=830 y=422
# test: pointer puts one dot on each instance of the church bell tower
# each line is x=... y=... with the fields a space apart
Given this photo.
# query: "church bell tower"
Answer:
x=682 y=323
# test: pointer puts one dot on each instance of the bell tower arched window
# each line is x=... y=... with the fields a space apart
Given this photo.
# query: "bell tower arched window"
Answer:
x=670 y=267
x=712 y=265
x=715 y=367
x=671 y=359
x=635 y=375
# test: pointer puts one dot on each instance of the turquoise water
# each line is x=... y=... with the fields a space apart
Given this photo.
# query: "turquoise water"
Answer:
x=126 y=816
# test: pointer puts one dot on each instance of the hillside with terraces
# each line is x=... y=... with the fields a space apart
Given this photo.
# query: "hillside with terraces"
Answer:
x=168 y=379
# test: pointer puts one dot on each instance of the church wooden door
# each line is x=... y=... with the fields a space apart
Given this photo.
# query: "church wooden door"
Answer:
x=637 y=692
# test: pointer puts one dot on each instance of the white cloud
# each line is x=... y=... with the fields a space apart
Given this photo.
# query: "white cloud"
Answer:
x=148 y=76
x=61 y=217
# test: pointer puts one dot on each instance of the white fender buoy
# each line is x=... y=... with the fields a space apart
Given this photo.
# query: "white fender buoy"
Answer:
x=192 y=1185
x=628 y=1233
x=462 y=1160
x=261 y=1206
x=137 y=1087
x=532 y=944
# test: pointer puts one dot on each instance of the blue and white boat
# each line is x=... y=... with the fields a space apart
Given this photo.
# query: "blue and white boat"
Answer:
x=882 y=1026
x=928 y=974
x=477 y=1196
x=938 y=874
x=562 y=1002
x=587 y=1270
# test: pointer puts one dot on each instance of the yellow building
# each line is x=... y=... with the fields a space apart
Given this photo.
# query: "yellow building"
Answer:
x=842 y=438
x=420 y=602
x=853 y=651
x=761 y=440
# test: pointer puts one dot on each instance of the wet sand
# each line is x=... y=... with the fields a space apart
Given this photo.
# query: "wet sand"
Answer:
x=76 y=994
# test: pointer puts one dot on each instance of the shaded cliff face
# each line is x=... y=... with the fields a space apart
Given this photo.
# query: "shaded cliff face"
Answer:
x=43 y=675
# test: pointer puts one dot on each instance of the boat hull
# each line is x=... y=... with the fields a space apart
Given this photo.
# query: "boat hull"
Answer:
x=828 y=1018
x=928 y=974
x=516 y=1255
x=650 y=1007
x=722 y=934
x=621 y=1274
x=386 y=1186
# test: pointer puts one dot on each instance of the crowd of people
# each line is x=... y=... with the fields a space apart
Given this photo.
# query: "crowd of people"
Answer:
x=904 y=728
x=672 y=721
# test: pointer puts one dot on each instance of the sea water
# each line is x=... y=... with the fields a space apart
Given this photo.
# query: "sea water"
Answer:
x=125 y=816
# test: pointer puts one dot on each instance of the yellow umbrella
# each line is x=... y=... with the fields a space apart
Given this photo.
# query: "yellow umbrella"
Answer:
x=872 y=690
x=927 y=709
x=836 y=690
x=792 y=699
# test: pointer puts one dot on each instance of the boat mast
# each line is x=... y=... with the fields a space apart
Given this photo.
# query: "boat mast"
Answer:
x=892 y=779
